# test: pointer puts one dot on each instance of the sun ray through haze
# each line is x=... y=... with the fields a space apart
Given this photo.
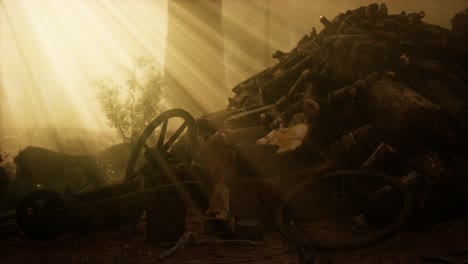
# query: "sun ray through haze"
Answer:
x=52 y=50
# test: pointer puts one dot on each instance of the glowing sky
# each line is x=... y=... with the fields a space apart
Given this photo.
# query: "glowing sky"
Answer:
x=52 y=49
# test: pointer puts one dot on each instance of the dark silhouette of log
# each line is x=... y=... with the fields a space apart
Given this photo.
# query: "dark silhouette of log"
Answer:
x=354 y=147
x=407 y=119
x=38 y=167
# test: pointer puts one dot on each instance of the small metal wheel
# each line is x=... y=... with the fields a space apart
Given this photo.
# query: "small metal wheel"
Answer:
x=344 y=210
x=30 y=214
x=153 y=150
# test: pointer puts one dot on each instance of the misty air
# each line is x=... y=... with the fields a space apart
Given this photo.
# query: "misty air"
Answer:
x=233 y=131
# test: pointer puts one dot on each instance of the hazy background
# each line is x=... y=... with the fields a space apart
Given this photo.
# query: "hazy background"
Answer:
x=51 y=50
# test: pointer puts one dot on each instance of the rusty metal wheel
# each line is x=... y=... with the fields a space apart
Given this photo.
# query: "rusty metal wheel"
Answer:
x=152 y=151
x=344 y=210
x=30 y=217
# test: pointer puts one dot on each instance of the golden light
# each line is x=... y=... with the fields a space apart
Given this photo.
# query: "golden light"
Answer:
x=51 y=50
x=195 y=56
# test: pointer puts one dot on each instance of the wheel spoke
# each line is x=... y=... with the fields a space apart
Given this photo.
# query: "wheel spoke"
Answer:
x=148 y=154
x=157 y=155
x=162 y=135
x=140 y=170
x=146 y=147
x=152 y=154
x=174 y=137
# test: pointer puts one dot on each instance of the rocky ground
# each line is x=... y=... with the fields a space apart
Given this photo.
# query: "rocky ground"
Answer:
x=445 y=242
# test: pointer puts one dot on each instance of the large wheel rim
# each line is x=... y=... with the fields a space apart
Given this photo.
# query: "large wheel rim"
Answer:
x=157 y=155
x=339 y=244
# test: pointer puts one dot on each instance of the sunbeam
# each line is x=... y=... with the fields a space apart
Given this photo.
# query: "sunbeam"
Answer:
x=52 y=50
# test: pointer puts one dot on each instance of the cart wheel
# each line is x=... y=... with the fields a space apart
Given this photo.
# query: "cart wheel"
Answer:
x=155 y=149
x=344 y=210
x=31 y=222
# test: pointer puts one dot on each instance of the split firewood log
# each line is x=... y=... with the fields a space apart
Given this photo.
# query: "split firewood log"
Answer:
x=354 y=148
x=211 y=122
x=349 y=93
x=309 y=104
x=387 y=160
x=407 y=119
x=247 y=84
x=280 y=85
x=287 y=139
x=349 y=57
x=247 y=118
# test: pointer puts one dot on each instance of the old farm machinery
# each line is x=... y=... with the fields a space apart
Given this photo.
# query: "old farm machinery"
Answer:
x=336 y=210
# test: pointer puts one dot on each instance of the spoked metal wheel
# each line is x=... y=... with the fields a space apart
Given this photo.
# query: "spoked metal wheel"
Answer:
x=30 y=217
x=345 y=209
x=152 y=151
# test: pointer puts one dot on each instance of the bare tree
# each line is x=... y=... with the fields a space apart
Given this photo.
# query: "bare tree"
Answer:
x=131 y=106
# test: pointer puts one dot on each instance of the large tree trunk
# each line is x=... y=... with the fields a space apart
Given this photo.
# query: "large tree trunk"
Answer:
x=267 y=49
x=195 y=56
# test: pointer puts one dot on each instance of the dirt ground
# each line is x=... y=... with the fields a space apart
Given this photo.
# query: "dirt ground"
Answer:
x=440 y=243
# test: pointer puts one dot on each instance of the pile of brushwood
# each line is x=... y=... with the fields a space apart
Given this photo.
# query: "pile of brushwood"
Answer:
x=372 y=91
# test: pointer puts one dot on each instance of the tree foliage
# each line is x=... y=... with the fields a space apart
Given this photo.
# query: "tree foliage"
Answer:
x=130 y=106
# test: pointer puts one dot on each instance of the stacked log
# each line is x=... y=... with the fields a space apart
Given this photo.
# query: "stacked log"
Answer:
x=376 y=91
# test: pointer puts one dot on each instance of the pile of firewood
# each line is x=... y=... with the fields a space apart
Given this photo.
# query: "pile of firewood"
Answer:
x=372 y=90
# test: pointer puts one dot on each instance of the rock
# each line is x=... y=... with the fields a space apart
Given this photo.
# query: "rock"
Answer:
x=38 y=167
